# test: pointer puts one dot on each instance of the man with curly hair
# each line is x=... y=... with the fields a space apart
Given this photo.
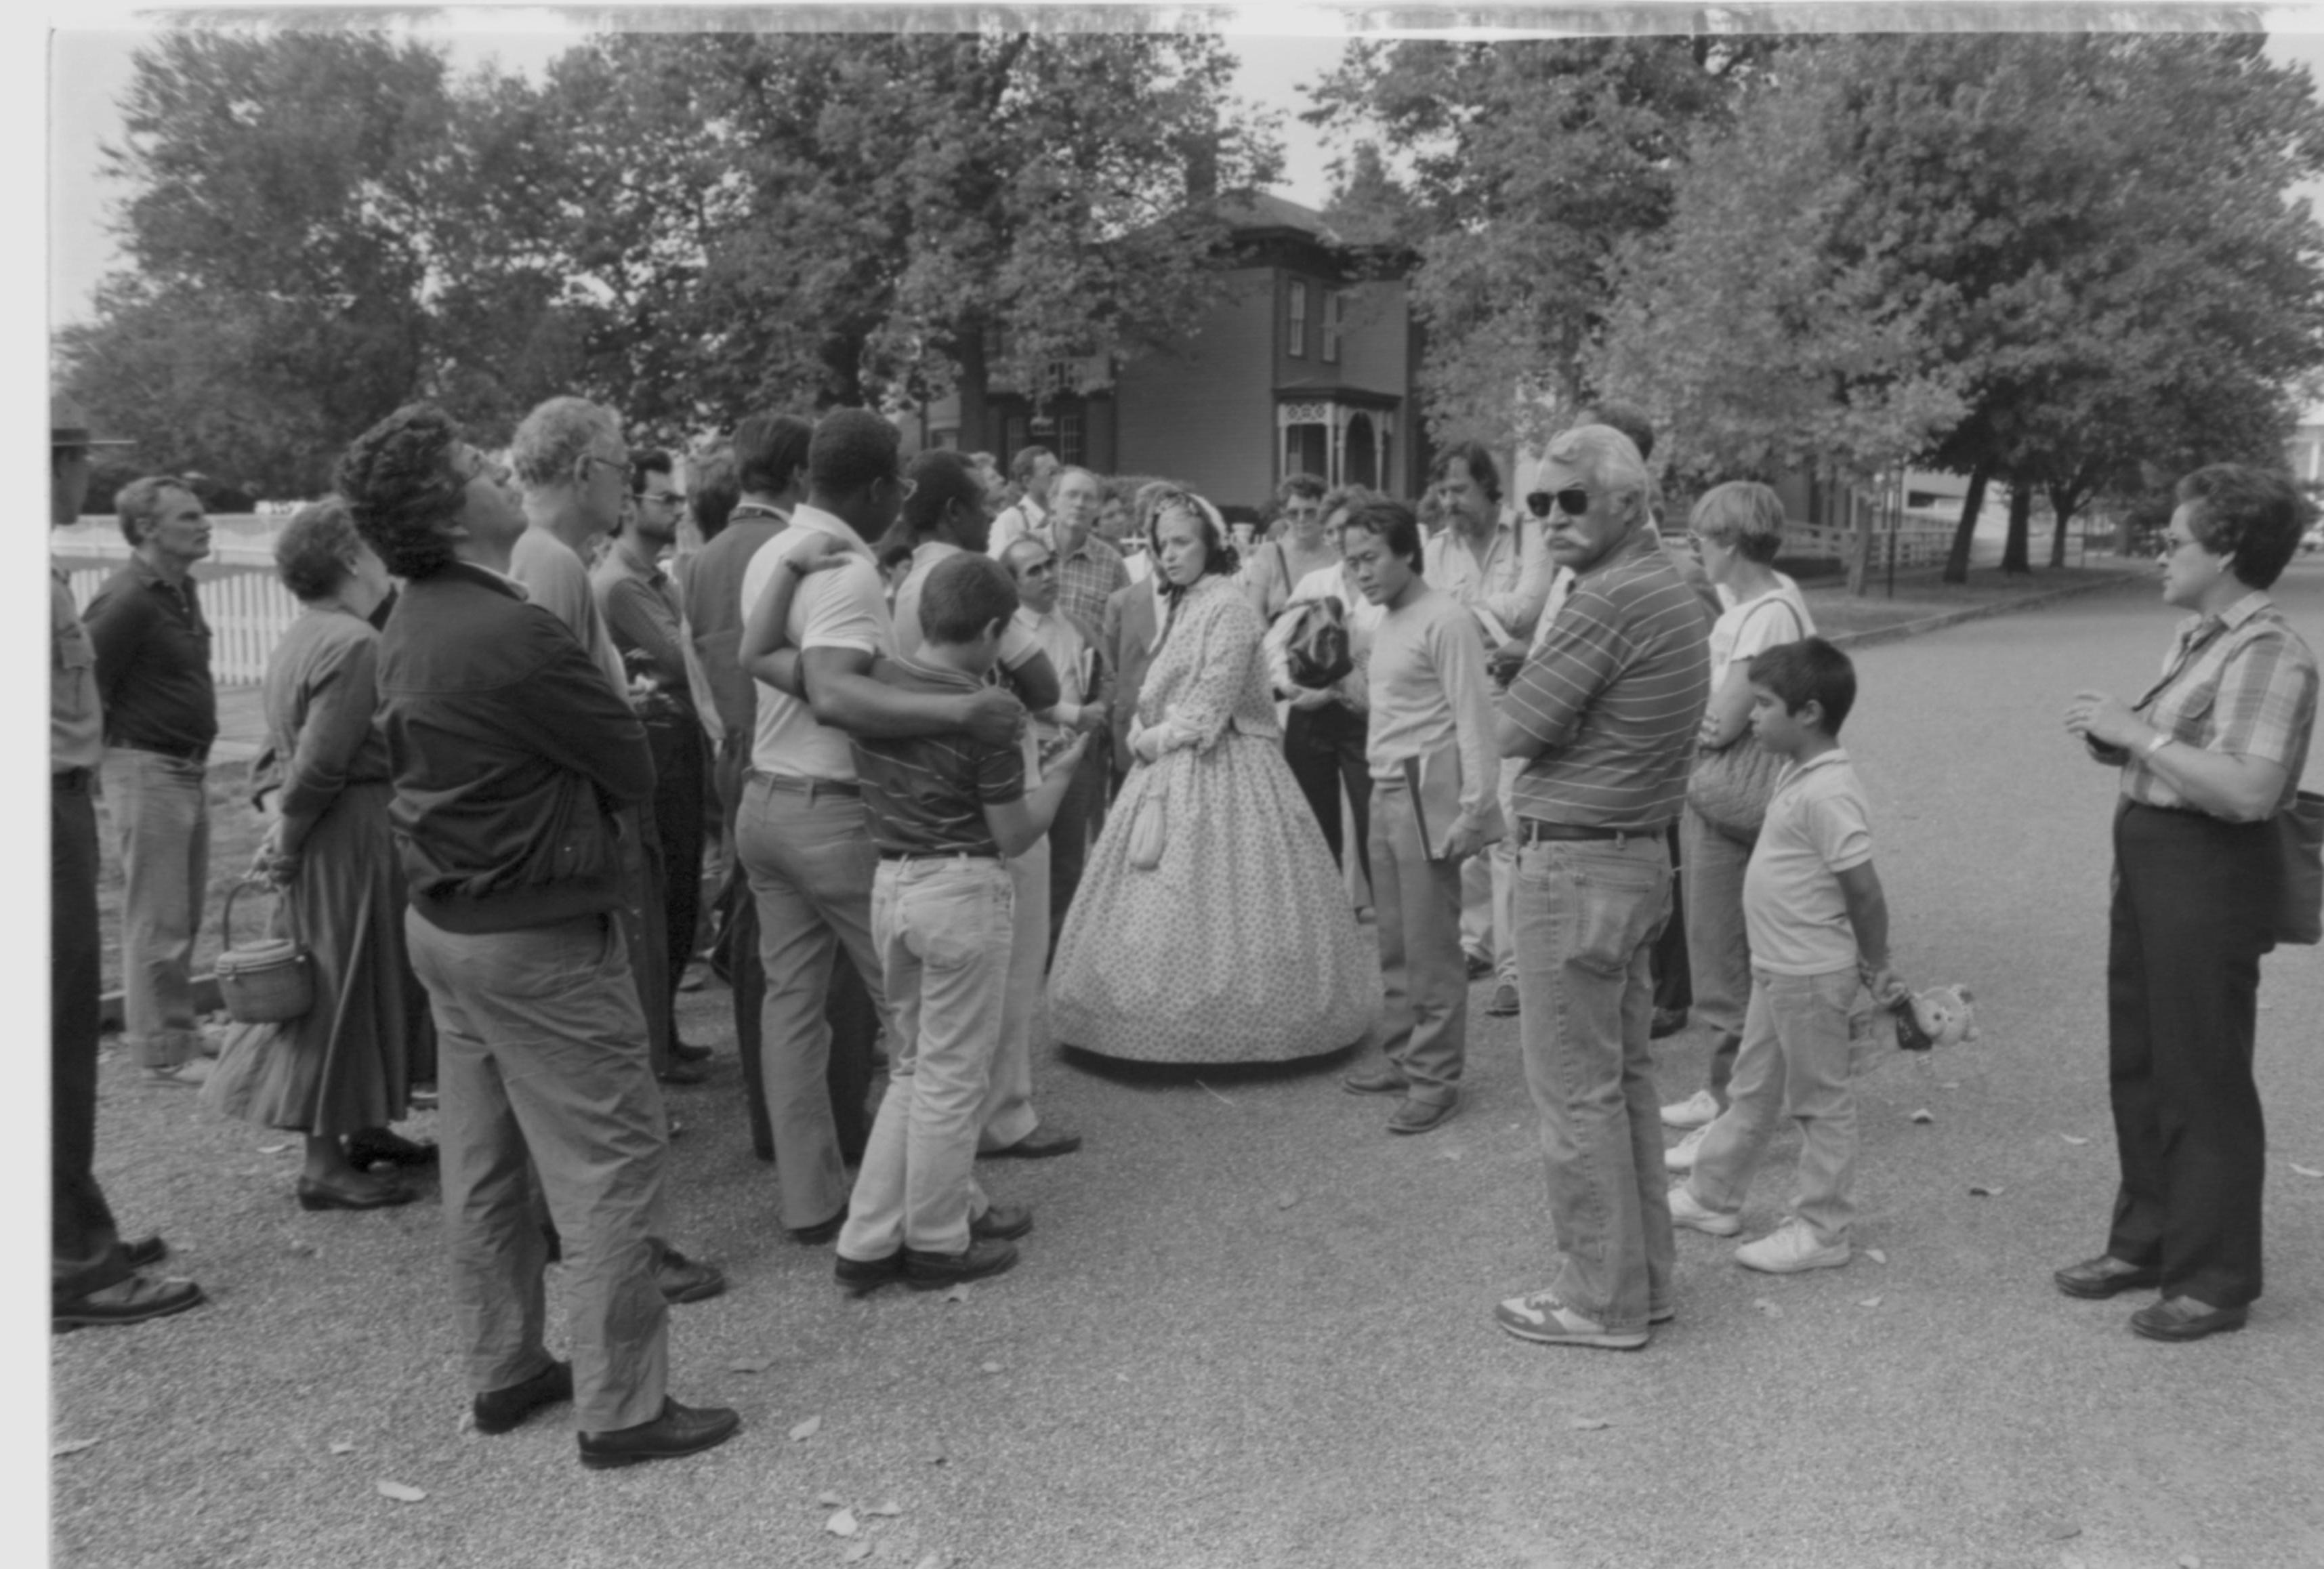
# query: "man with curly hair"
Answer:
x=511 y=753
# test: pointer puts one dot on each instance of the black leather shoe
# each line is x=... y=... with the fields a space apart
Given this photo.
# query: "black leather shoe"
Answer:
x=1383 y=1078
x=377 y=1193
x=683 y=1073
x=687 y=1051
x=934 y=1271
x=378 y=1147
x=1038 y=1145
x=2184 y=1318
x=1666 y=1021
x=145 y=1251
x=2103 y=1276
x=681 y=1279
x=498 y=1410
x=822 y=1232
x=678 y=1431
x=862 y=1277
x=130 y=1301
x=1478 y=968
x=1003 y=1223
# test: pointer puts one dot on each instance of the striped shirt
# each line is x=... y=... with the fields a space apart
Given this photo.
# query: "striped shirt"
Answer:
x=1612 y=697
x=927 y=794
x=2240 y=683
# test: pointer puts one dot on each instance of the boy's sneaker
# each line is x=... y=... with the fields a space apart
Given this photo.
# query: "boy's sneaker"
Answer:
x=1680 y=1157
x=1542 y=1318
x=1688 y=1211
x=1789 y=1248
x=1699 y=1109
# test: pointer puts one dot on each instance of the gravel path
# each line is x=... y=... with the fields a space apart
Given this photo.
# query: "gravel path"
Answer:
x=1251 y=1329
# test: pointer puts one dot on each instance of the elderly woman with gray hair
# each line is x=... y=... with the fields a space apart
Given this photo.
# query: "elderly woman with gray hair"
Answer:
x=1736 y=528
x=341 y=1074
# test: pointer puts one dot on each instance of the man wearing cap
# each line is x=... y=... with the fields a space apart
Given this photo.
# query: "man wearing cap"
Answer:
x=152 y=650
x=93 y=1277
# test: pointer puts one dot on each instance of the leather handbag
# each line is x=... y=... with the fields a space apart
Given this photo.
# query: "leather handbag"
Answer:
x=2300 y=873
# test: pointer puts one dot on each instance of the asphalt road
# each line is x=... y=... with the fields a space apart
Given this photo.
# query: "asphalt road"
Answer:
x=1251 y=1329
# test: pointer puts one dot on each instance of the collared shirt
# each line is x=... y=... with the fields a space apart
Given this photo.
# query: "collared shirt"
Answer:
x=1070 y=655
x=2240 y=683
x=553 y=577
x=1613 y=697
x=1509 y=583
x=716 y=613
x=1086 y=579
x=927 y=794
x=153 y=652
x=76 y=716
x=642 y=615
x=1026 y=519
x=844 y=608
x=1818 y=826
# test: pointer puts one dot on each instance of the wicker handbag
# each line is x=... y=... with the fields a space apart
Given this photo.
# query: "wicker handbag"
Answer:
x=268 y=982
x=1731 y=786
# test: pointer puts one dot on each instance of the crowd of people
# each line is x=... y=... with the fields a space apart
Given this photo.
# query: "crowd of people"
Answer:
x=911 y=754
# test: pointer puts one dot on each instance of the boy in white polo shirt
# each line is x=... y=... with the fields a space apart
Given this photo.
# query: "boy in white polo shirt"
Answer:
x=1819 y=929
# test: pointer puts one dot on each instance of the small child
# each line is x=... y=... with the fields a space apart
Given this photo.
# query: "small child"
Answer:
x=1818 y=927
x=944 y=810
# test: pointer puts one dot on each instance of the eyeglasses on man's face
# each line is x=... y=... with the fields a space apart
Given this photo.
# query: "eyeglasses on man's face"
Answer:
x=1573 y=501
x=668 y=498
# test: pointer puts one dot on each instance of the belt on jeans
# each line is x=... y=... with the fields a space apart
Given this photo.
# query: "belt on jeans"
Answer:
x=938 y=855
x=1534 y=830
x=805 y=785
x=70 y=781
x=182 y=754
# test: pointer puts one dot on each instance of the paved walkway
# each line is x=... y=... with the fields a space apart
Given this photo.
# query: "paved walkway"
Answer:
x=1253 y=1330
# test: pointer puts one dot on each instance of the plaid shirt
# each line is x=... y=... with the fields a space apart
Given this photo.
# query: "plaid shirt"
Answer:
x=1086 y=579
x=2240 y=683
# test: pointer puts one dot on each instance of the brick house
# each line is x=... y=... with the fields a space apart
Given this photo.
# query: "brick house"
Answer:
x=1307 y=363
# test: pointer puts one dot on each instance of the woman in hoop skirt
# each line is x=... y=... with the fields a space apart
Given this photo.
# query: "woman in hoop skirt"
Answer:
x=1237 y=945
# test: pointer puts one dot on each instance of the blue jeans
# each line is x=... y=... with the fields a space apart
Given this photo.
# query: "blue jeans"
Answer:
x=944 y=928
x=1586 y=914
x=162 y=827
x=1794 y=1063
x=1718 y=947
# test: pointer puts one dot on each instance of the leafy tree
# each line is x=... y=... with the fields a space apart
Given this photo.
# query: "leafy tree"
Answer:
x=769 y=219
x=1532 y=163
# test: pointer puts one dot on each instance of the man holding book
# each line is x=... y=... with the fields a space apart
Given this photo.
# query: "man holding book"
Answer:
x=1435 y=804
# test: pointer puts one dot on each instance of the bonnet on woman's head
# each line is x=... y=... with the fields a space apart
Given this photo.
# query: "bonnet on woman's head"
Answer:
x=1219 y=544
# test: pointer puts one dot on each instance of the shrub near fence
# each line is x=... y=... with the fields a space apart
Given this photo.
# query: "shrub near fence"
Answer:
x=247 y=607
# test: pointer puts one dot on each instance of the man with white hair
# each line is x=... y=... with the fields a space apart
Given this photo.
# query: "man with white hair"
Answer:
x=1031 y=471
x=1604 y=710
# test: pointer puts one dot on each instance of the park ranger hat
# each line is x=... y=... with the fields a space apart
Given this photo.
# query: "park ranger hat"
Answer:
x=68 y=425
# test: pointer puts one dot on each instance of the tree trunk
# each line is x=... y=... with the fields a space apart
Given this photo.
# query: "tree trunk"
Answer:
x=2061 y=502
x=2015 y=557
x=1859 y=548
x=1957 y=563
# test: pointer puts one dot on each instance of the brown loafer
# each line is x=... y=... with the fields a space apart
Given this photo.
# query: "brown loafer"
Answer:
x=1383 y=1078
x=2184 y=1318
x=1421 y=1116
x=2103 y=1276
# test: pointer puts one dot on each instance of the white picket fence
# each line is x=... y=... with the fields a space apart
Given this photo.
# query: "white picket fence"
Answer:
x=246 y=605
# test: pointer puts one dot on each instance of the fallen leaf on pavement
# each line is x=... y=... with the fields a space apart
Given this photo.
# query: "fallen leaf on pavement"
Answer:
x=1286 y=1200
x=842 y=1524
x=1448 y=1155
x=1979 y=1190
x=889 y=1507
x=1875 y=1255
x=1590 y=1423
x=856 y=1554
x=2064 y=1530
x=752 y=1364
x=1923 y=1115
x=73 y=1446
x=1767 y=1307
x=991 y=1368
x=1868 y=1302
x=957 y=1294
x=1213 y=1094
x=937 y=1459
x=343 y=1447
x=2302 y=1170
x=2073 y=1138
x=933 y=1561
x=273 y=1148
x=807 y=1429
x=830 y=1499
x=402 y=1492
x=467 y=1422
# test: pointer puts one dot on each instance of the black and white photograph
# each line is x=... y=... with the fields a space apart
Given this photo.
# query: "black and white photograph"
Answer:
x=1005 y=787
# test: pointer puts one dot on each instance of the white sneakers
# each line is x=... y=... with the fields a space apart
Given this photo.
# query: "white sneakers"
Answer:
x=1688 y=1211
x=1680 y=1157
x=1542 y=1318
x=1787 y=1250
x=1699 y=1109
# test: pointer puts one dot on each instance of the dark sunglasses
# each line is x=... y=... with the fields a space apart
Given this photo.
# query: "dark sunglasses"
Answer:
x=1573 y=501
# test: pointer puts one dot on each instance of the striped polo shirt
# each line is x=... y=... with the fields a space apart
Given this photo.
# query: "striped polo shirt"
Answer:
x=926 y=795
x=1612 y=697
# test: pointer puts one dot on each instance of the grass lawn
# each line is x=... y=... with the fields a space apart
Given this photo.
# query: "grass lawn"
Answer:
x=235 y=830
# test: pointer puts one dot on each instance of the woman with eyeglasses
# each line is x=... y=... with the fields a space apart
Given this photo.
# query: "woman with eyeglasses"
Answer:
x=2208 y=758
x=1211 y=925
x=1736 y=528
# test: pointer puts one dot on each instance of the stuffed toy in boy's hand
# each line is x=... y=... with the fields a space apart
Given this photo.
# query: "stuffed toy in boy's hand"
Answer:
x=1940 y=1016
